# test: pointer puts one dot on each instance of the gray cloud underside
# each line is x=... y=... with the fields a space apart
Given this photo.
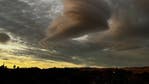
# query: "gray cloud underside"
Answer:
x=118 y=31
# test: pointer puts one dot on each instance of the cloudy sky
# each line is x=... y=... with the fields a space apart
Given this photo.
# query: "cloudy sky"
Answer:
x=74 y=33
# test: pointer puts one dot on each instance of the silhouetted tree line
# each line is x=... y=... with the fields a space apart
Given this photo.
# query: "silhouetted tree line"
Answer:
x=71 y=76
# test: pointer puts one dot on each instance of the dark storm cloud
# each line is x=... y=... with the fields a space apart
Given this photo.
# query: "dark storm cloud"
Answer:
x=120 y=19
x=130 y=19
x=118 y=30
x=79 y=17
x=128 y=23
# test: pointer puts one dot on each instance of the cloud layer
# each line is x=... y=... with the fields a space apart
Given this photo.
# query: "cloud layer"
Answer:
x=116 y=30
x=79 y=17
x=113 y=20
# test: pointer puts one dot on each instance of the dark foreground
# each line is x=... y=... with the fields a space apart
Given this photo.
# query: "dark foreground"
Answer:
x=74 y=76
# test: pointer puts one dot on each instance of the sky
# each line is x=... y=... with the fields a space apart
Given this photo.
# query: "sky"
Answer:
x=75 y=33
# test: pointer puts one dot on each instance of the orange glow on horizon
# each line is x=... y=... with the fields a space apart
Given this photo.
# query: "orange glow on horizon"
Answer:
x=10 y=59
